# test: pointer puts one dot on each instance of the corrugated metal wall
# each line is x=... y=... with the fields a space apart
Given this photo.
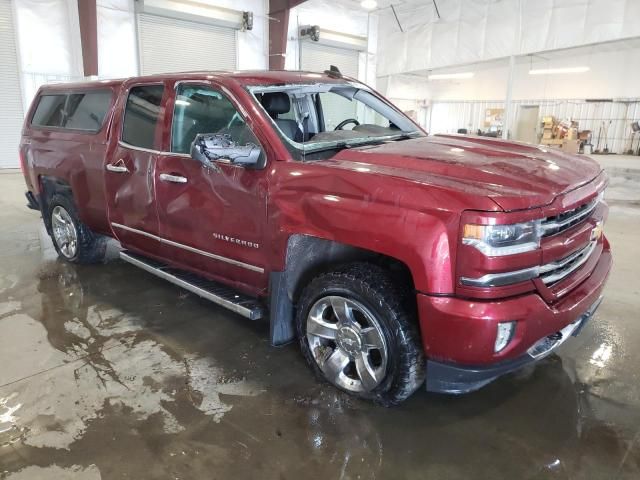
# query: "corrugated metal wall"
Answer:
x=448 y=117
x=10 y=95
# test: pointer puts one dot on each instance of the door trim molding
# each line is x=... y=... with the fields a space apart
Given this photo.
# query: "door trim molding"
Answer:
x=231 y=261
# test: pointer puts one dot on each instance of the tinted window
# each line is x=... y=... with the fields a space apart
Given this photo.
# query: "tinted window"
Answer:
x=141 y=116
x=203 y=110
x=86 y=111
x=50 y=111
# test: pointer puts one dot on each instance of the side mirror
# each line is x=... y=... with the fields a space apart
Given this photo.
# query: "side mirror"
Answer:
x=208 y=148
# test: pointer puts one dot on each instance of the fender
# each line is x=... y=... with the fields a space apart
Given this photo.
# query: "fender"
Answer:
x=306 y=258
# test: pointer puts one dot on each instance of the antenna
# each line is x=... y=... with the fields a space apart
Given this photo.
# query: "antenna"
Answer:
x=333 y=72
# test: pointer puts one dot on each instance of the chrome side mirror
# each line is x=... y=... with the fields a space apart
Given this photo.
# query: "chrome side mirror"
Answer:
x=208 y=148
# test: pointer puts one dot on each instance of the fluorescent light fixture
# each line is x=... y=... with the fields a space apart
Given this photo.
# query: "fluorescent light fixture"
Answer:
x=368 y=4
x=450 y=76
x=553 y=71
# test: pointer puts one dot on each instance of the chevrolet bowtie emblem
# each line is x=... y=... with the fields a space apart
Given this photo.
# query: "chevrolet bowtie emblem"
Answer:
x=596 y=233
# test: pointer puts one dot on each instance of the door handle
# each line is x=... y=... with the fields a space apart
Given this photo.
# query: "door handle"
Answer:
x=117 y=168
x=167 y=177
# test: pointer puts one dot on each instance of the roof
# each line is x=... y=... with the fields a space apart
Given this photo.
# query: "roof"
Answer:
x=248 y=77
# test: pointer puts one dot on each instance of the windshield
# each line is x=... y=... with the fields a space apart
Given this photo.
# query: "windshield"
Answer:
x=312 y=118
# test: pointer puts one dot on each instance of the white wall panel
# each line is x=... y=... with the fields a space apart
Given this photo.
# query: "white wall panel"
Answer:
x=10 y=95
x=117 y=52
x=49 y=39
x=469 y=31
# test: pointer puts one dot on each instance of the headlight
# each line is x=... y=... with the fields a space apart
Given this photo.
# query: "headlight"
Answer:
x=497 y=240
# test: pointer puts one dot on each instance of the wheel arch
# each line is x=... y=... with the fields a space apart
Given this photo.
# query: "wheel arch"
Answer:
x=50 y=186
x=307 y=257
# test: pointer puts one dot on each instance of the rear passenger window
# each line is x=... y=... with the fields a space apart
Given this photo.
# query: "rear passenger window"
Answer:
x=50 y=111
x=141 y=115
x=86 y=111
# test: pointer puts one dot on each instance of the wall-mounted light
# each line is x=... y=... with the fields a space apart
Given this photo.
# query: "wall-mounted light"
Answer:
x=451 y=76
x=368 y=4
x=553 y=71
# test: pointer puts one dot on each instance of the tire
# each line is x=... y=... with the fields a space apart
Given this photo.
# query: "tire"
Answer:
x=88 y=247
x=386 y=360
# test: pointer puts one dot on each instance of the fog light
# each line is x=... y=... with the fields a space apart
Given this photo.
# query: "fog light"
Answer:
x=504 y=335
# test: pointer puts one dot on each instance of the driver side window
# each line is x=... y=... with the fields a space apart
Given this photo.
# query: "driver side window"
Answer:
x=200 y=109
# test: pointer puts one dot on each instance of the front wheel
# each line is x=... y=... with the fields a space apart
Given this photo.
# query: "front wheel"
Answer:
x=356 y=332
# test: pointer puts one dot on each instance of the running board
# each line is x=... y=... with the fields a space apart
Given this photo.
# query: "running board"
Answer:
x=217 y=293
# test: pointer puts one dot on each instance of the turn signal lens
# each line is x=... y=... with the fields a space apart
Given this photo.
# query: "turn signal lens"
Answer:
x=504 y=335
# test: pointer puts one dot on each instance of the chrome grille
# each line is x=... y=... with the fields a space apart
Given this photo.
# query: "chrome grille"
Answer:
x=565 y=220
x=553 y=272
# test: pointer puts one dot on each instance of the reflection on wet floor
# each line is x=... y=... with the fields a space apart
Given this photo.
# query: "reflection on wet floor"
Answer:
x=107 y=372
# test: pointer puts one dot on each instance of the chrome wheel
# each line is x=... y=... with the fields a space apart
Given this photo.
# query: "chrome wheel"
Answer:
x=64 y=232
x=347 y=343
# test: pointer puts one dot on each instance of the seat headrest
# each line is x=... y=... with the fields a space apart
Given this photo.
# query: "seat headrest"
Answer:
x=276 y=102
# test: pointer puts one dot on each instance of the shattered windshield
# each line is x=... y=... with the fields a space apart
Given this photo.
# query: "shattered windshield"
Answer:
x=312 y=118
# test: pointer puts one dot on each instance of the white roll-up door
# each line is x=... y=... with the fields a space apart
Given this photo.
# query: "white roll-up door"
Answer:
x=315 y=57
x=11 y=114
x=172 y=45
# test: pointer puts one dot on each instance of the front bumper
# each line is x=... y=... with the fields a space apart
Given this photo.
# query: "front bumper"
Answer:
x=449 y=378
x=459 y=334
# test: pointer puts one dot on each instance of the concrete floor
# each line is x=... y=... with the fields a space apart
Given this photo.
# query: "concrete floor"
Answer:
x=107 y=372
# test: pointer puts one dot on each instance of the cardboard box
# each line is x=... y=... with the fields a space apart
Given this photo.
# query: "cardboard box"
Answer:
x=571 y=146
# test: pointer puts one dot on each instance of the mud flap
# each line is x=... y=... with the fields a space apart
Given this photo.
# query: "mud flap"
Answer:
x=281 y=322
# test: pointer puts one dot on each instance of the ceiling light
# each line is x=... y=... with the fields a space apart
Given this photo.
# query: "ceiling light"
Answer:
x=368 y=4
x=450 y=76
x=552 y=71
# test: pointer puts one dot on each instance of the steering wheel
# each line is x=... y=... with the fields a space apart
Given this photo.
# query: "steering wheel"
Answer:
x=341 y=125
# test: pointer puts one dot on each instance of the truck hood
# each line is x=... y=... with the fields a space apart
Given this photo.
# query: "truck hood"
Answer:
x=514 y=175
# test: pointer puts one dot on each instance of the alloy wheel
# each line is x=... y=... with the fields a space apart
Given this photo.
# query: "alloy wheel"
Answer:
x=64 y=232
x=347 y=343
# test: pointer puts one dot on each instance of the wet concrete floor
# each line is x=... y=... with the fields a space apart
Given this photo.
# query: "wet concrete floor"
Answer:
x=107 y=372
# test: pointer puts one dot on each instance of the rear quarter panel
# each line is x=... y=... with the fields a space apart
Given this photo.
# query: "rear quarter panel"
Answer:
x=73 y=157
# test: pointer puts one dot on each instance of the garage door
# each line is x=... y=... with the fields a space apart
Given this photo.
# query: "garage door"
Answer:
x=10 y=95
x=318 y=58
x=172 y=45
x=315 y=57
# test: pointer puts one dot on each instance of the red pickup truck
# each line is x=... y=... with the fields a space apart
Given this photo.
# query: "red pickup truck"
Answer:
x=396 y=259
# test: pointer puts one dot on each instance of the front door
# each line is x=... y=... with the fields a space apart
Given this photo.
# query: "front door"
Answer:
x=212 y=219
x=129 y=172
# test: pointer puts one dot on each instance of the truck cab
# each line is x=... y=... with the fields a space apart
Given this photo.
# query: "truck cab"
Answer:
x=396 y=259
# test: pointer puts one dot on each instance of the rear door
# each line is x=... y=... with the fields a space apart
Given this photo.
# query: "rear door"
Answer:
x=129 y=170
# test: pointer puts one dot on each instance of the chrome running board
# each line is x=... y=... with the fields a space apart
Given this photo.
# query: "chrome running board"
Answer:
x=217 y=293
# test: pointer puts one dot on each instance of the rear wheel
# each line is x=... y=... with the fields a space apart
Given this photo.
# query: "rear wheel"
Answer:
x=72 y=239
x=357 y=333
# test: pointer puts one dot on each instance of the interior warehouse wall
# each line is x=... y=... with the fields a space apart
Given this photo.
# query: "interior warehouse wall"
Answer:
x=454 y=104
x=449 y=116
x=117 y=39
x=613 y=72
x=329 y=15
x=49 y=47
